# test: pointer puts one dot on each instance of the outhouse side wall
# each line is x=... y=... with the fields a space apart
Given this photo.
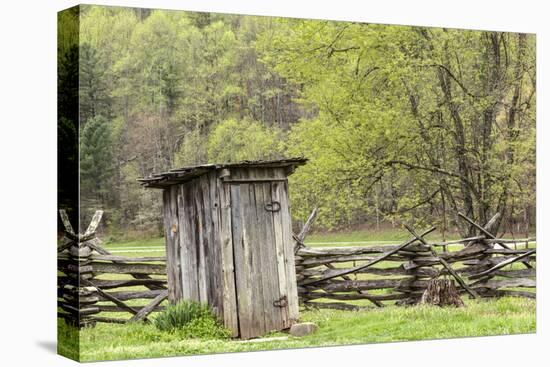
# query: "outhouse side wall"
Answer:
x=193 y=242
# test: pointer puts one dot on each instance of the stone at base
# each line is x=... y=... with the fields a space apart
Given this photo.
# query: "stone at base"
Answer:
x=303 y=329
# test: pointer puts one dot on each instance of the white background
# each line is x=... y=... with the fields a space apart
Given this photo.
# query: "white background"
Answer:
x=28 y=182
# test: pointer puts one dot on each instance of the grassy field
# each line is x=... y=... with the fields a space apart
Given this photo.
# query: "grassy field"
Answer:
x=372 y=325
x=479 y=318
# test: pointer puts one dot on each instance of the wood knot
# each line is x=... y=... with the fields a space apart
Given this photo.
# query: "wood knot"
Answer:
x=174 y=228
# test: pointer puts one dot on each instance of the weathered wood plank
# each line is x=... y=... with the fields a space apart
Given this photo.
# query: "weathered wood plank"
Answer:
x=355 y=296
x=503 y=264
x=110 y=284
x=507 y=283
x=125 y=259
x=252 y=230
x=116 y=309
x=215 y=265
x=370 y=263
x=278 y=237
x=96 y=219
x=79 y=310
x=66 y=222
x=498 y=251
x=300 y=237
x=372 y=300
x=336 y=306
x=175 y=193
x=241 y=259
x=269 y=261
x=65 y=245
x=520 y=273
x=128 y=295
x=398 y=270
x=230 y=316
x=142 y=314
x=183 y=206
x=201 y=237
x=115 y=297
x=467 y=252
x=190 y=237
x=306 y=252
x=103 y=267
x=355 y=285
x=317 y=261
x=281 y=190
x=171 y=242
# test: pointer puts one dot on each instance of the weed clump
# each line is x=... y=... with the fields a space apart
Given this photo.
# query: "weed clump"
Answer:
x=191 y=320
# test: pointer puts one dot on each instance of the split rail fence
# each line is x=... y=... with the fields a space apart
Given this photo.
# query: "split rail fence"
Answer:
x=92 y=281
x=483 y=266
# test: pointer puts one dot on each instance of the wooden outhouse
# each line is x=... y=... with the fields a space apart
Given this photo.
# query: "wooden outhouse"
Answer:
x=229 y=241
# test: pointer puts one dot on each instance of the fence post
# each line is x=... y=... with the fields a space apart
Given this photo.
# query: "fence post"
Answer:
x=78 y=301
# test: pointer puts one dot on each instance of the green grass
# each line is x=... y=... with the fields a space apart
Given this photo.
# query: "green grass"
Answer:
x=344 y=238
x=390 y=324
x=382 y=235
x=148 y=242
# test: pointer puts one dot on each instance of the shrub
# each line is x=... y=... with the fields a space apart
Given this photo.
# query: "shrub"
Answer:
x=192 y=320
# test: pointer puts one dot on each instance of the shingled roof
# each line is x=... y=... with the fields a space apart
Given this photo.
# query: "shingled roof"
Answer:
x=183 y=174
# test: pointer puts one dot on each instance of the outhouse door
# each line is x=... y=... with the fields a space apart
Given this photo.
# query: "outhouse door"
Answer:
x=264 y=277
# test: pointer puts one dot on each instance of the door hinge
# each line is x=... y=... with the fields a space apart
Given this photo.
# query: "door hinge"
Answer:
x=281 y=302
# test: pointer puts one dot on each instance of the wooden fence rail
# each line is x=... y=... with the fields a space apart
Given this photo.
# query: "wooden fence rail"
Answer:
x=485 y=266
x=92 y=281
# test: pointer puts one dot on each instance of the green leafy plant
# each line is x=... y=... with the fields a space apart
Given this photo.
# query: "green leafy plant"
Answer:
x=192 y=320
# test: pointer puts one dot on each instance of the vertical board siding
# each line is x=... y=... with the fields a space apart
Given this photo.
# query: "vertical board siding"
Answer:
x=268 y=252
x=230 y=309
x=184 y=240
x=172 y=244
x=280 y=253
x=242 y=267
x=190 y=242
x=288 y=253
x=215 y=265
x=201 y=238
x=247 y=210
x=254 y=273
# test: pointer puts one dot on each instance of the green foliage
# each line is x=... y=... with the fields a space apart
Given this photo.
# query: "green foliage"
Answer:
x=178 y=315
x=400 y=123
x=412 y=118
x=190 y=319
x=94 y=99
x=192 y=150
x=237 y=140
x=96 y=163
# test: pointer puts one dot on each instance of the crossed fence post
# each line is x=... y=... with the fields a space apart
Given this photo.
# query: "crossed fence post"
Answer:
x=76 y=297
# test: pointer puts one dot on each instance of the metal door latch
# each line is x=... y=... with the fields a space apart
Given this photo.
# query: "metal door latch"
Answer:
x=274 y=206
